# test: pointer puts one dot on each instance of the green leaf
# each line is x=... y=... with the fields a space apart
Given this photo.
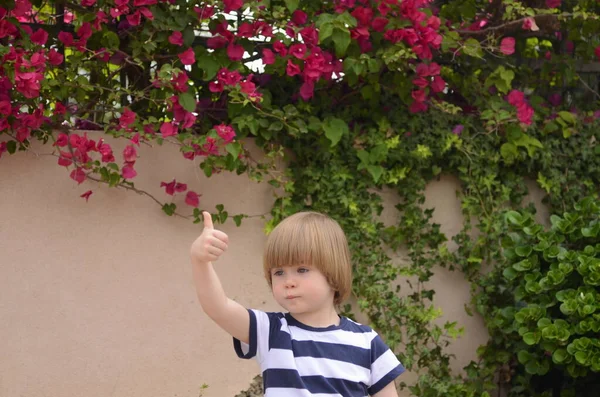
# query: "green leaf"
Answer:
x=110 y=40
x=325 y=31
x=169 y=209
x=11 y=147
x=341 y=40
x=568 y=117
x=188 y=36
x=509 y=152
x=531 y=338
x=210 y=66
x=291 y=5
x=472 y=47
x=514 y=218
x=509 y=273
x=375 y=171
x=238 y=219
x=187 y=101
x=334 y=129
x=234 y=148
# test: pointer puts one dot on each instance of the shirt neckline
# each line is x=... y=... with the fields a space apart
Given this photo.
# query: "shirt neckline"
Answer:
x=292 y=321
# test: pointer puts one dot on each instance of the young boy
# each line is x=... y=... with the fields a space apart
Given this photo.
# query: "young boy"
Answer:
x=310 y=350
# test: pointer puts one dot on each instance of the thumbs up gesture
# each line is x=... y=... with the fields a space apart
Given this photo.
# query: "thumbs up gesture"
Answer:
x=210 y=245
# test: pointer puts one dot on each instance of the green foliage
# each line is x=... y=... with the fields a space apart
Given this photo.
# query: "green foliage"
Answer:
x=542 y=302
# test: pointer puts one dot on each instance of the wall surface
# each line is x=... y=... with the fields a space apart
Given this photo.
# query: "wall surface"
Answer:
x=97 y=299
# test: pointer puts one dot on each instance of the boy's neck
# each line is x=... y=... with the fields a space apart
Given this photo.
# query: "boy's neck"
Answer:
x=319 y=319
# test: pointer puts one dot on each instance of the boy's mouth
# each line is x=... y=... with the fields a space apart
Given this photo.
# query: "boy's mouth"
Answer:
x=290 y=297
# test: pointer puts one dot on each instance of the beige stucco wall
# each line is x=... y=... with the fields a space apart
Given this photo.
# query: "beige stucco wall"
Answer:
x=97 y=300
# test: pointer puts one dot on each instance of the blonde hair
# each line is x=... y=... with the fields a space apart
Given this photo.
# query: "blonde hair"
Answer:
x=314 y=239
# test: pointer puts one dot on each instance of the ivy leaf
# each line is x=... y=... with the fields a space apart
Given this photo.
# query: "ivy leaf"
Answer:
x=341 y=39
x=169 y=209
x=334 y=129
x=291 y=5
x=187 y=101
x=375 y=171
x=237 y=219
x=509 y=152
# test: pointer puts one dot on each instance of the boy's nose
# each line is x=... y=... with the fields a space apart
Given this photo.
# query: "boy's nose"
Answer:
x=290 y=282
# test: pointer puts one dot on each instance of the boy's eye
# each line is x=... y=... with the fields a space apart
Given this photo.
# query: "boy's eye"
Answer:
x=278 y=273
x=302 y=270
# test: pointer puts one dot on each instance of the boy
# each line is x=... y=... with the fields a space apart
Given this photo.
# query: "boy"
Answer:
x=310 y=350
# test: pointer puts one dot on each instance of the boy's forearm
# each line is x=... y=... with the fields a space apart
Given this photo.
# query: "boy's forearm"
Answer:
x=209 y=289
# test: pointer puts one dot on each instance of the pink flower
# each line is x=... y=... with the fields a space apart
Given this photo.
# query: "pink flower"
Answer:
x=226 y=132
x=299 y=17
x=28 y=84
x=168 y=129
x=128 y=172
x=553 y=3
x=78 y=175
x=307 y=90
x=176 y=38
x=2 y=148
x=66 y=38
x=216 y=86
x=129 y=154
x=417 y=107
x=268 y=56
x=88 y=3
x=192 y=199
x=87 y=194
x=54 y=57
x=515 y=97
x=280 y=48
x=597 y=52
x=232 y=5
x=127 y=118
x=5 y=108
x=59 y=108
x=379 y=23
x=235 y=52
x=188 y=57
x=419 y=95
x=438 y=84
x=180 y=81
x=39 y=37
x=173 y=186
x=298 y=50
x=292 y=69
x=507 y=46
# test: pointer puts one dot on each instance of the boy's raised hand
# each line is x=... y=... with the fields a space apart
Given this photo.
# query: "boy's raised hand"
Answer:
x=210 y=245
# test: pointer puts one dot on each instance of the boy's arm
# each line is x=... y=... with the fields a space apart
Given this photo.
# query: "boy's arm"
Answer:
x=228 y=314
x=388 y=391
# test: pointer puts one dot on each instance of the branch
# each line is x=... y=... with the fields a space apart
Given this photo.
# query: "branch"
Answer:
x=543 y=21
x=590 y=89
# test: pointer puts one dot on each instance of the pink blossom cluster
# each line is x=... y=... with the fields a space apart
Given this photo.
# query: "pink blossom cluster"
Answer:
x=524 y=111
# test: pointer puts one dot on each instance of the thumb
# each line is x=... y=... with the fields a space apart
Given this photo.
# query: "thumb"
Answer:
x=208 y=224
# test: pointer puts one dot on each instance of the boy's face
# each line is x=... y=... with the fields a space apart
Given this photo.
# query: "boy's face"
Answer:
x=301 y=289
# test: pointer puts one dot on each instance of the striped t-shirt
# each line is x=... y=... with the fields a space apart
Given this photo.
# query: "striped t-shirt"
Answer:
x=296 y=360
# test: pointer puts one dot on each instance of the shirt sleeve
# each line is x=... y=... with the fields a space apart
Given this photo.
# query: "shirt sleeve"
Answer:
x=261 y=324
x=385 y=366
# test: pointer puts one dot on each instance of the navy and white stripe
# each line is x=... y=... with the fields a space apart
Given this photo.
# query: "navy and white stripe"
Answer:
x=347 y=360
